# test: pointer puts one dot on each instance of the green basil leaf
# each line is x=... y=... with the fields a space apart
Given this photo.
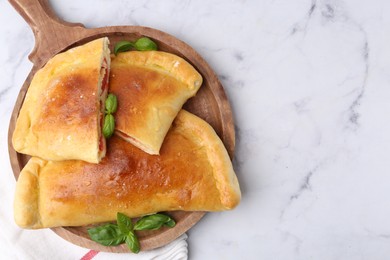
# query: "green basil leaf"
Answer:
x=145 y=44
x=132 y=242
x=123 y=46
x=111 y=104
x=152 y=222
x=171 y=223
x=124 y=223
x=148 y=224
x=107 y=235
x=109 y=126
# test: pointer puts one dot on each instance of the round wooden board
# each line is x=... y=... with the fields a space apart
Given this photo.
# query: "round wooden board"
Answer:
x=53 y=36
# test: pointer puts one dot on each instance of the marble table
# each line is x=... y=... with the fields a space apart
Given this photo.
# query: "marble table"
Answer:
x=309 y=83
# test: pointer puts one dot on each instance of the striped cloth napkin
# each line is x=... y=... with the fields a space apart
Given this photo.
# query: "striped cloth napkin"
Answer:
x=177 y=250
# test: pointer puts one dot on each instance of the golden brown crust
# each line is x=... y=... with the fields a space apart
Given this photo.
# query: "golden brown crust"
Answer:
x=151 y=88
x=193 y=172
x=26 y=204
x=224 y=175
x=59 y=119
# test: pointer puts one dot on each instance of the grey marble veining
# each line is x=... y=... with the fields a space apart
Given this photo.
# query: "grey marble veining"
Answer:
x=309 y=85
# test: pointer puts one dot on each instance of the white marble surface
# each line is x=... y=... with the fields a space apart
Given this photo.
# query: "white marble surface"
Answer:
x=309 y=83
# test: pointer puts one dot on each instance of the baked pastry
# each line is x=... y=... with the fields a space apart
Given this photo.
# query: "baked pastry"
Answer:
x=63 y=110
x=151 y=87
x=193 y=173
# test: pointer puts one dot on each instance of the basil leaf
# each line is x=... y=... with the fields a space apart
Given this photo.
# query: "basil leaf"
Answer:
x=107 y=235
x=123 y=46
x=145 y=44
x=153 y=222
x=132 y=242
x=123 y=232
x=109 y=126
x=124 y=223
x=111 y=104
x=171 y=223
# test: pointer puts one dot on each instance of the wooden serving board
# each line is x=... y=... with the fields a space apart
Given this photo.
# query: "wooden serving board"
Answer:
x=53 y=35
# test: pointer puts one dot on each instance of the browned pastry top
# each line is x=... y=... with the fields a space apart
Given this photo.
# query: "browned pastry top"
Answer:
x=192 y=172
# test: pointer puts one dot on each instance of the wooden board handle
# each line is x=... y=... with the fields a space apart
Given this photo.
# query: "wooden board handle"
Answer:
x=51 y=33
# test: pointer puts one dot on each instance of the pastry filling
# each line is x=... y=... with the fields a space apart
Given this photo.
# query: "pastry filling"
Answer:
x=104 y=74
x=135 y=142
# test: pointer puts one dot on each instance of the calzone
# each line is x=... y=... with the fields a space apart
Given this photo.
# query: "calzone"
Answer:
x=151 y=87
x=193 y=172
x=62 y=114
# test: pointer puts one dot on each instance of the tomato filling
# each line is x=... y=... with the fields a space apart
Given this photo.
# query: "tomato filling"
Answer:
x=101 y=141
x=105 y=78
x=101 y=144
x=104 y=88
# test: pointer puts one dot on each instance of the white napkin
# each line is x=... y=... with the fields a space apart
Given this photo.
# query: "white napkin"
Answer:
x=177 y=250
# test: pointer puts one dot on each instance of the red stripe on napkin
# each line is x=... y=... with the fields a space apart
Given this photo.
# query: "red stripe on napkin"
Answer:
x=89 y=255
